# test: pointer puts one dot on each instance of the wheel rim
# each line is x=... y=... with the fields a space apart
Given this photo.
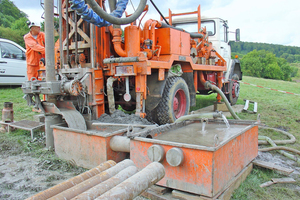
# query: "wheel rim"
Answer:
x=179 y=103
x=235 y=89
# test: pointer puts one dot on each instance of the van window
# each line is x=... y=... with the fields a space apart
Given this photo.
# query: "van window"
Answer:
x=11 y=51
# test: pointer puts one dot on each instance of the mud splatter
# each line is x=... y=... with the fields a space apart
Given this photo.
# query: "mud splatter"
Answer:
x=120 y=117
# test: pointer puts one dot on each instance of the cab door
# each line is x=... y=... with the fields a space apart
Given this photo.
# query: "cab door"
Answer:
x=13 y=68
x=225 y=50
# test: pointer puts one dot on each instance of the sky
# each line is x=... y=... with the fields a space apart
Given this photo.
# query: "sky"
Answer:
x=267 y=21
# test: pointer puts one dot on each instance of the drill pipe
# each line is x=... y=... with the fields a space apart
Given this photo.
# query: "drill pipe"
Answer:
x=108 y=184
x=120 y=143
x=84 y=186
x=135 y=185
x=73 y=181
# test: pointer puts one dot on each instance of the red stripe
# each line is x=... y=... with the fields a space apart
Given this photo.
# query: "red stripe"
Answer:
x=289 y=93
x=270 y=88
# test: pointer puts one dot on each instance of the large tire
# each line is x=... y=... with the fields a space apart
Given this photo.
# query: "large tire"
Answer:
x=233 y=89
x=175 y=101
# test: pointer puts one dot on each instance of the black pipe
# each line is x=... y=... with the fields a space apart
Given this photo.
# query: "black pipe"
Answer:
x=193 y=35
x=159 y=12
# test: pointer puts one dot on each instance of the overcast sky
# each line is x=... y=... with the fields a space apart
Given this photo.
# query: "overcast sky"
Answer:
x=268 y=21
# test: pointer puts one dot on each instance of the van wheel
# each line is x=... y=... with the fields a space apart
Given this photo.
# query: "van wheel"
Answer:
x=234 y=89
x=175 y=101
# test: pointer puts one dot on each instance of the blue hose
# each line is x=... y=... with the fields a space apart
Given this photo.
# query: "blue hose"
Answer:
x=90 y=16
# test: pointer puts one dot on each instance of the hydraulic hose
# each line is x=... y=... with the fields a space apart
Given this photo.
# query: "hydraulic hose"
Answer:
x=112 y=5
x=120 y=5
x=88 y=14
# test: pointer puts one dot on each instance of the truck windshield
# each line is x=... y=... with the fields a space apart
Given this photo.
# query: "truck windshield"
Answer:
x=192 y=27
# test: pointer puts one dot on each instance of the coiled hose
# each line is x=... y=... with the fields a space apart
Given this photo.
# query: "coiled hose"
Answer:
x=100 y=18
x=116 y=20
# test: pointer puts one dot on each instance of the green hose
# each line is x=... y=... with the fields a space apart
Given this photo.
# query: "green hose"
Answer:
x=215 y=88
x=272 y=143
x=198 y=116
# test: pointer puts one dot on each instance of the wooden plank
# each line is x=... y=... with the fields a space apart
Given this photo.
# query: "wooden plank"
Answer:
x=159 y=189
x=283 y=180
x=277 y=180
x=154 y=196
x=187 y=196
x=266 y=184
x=272 y=166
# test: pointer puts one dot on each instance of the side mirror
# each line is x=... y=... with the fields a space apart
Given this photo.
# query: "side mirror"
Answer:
x=237 y=35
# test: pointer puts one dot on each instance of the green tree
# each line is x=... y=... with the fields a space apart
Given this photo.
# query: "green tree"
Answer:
x=278 y=50
x=284 y=55
x=7 y=7
x=20 y=24
x=290 y=58
x=266 y=65
x=14 y=35
x=12 y=22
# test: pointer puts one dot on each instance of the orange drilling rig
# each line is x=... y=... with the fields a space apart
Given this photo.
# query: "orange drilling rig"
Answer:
x=156 y=69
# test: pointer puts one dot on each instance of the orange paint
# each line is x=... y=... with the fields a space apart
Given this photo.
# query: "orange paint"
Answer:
x=85 y=149
x=204 y=172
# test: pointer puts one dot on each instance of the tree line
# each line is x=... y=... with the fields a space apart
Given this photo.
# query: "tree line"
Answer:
x=265 y=64
x=267 y=60
x=290 y=53
x=13 y=24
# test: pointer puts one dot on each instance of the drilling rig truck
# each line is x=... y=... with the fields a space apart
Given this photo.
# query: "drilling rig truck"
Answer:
x=155 y=70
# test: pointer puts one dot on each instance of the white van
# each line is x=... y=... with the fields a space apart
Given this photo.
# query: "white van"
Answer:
x=13 y=67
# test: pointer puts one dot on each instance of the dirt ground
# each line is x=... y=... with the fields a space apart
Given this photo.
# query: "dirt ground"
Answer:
x=282 y=161
x=23 y=175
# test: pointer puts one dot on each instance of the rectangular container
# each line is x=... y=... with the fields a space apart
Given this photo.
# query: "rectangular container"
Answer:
x=173 y=41
x=206 y=168
x=89 y=148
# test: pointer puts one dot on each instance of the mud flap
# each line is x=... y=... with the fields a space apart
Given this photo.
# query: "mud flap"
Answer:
x=156 y=89
x=67 y=110
x=189 y=79
x=236 y=69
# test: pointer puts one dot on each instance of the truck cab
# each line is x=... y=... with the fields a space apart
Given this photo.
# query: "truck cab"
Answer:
x=217 y=30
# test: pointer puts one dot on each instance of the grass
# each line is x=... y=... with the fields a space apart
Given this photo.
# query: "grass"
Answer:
x=20 y=141
x=277 y=109
x=15 y=95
